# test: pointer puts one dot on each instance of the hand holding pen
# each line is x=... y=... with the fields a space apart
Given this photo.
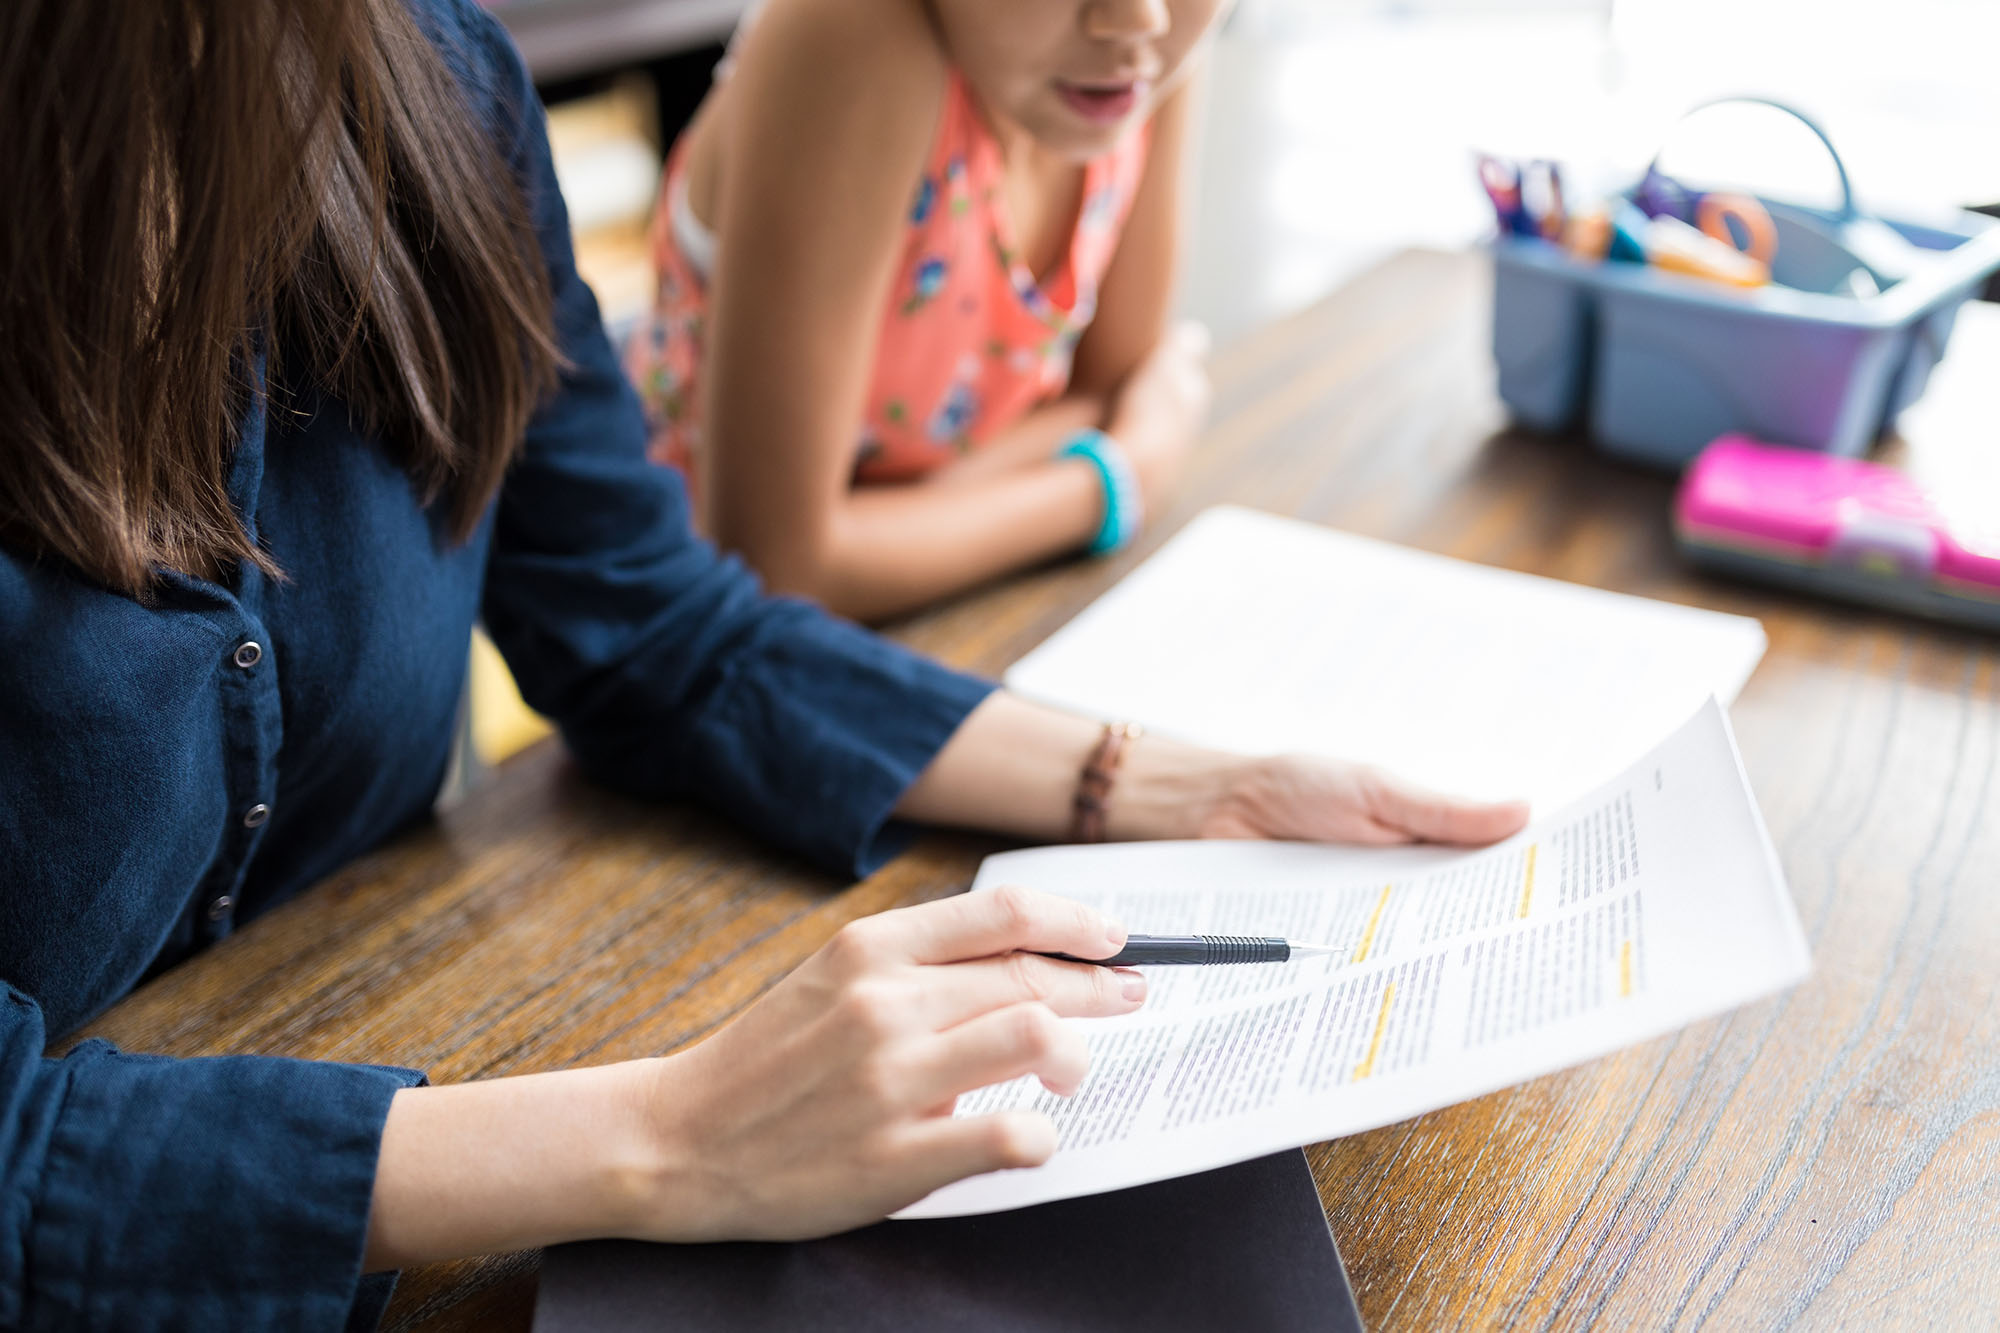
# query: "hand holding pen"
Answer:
x=1203 y=950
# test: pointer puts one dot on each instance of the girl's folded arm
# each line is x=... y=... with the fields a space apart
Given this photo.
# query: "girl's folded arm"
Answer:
x=893 y=549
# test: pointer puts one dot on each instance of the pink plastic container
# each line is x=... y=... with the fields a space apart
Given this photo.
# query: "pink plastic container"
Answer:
x=1840 y=527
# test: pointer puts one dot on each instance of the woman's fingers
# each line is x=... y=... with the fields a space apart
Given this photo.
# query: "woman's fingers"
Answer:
x=956 y=994
x=931 y=1154
x=993 y=1048
x=996 y=921
x=1427 y=816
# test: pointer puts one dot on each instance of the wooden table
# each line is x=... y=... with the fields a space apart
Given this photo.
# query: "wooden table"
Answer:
x=1828 y=1157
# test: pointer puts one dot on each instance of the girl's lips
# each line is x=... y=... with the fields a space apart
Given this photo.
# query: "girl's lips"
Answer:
x=1100 y=103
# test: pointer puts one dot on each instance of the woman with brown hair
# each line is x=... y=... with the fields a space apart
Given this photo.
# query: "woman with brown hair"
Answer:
x=297 y=379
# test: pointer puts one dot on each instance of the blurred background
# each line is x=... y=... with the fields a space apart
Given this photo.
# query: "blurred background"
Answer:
x=1339 y=130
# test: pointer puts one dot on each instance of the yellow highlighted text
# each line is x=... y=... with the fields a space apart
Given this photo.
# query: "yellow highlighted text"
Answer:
x=1374 y=920
x=1528 y=880
x=1367 y=1066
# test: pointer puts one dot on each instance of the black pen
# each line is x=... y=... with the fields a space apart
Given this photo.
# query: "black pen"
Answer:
x=1150 y=950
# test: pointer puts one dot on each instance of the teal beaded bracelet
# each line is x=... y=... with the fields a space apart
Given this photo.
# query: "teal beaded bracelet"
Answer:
x=1124 y=508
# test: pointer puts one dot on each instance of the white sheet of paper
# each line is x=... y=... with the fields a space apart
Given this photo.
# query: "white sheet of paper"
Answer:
x=1655 y=901
x=1262 y=634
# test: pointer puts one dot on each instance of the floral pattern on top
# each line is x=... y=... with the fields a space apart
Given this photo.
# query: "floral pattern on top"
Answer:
x=970 y=341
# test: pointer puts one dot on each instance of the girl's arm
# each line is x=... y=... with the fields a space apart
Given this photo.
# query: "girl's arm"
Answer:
x=830 y=115
x=890 y=550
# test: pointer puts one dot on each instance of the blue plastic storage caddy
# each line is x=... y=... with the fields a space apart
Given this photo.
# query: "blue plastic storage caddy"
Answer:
x=1656 y=365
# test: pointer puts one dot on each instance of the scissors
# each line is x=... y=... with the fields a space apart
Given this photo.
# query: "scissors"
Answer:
x=1527 y=200
x=1737 y=220
x=1717 y=210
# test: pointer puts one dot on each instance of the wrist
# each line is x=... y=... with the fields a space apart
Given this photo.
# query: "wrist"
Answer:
x=517 y=1163
x=1123 y=511
x=647 y=1182
x=1128 y=423
x=630 y=1175
x=1167 y=789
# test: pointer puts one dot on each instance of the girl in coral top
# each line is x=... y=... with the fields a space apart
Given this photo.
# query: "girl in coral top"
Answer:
x=915 y=260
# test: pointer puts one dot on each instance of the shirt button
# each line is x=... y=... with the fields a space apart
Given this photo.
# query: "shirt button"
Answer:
x=220 y=907
x=256 y=815
x=248 y=654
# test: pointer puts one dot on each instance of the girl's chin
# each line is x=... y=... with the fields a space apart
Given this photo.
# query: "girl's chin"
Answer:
x=1062 y=131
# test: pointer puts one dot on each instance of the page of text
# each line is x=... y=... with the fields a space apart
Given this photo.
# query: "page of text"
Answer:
x=1653 y=902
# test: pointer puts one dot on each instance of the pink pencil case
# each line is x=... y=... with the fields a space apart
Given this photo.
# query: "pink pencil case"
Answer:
x=1840 y=527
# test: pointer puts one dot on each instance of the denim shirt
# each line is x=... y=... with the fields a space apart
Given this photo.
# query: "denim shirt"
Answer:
x=169 y=771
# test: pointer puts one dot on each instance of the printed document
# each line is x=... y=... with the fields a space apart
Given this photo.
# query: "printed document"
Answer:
x=1262 y=634
x=1654 y=901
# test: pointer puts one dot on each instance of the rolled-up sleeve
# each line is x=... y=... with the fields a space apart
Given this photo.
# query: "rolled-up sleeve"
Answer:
x=668 y=671
x=144 y=1192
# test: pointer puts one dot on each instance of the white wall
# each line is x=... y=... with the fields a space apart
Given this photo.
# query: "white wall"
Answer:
x=1342 y=129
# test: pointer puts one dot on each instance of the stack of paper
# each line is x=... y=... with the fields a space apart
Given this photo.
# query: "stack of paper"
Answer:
x=1263 y=634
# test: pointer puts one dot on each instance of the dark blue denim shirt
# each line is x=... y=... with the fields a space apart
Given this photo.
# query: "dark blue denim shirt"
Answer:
x=170 y=771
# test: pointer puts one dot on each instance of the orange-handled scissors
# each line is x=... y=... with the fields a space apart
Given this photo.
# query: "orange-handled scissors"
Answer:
x=1759 y=236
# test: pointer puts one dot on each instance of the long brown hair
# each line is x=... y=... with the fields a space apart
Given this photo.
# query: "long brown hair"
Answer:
x=186 y=181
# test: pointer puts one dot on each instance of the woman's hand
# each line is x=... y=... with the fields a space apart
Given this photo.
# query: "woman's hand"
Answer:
x=1013 y=765
x=1317 y=800
x=828 y=1103
x=1160 y=409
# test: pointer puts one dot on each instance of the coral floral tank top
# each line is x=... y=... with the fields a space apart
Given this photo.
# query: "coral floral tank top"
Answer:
x=969 y=342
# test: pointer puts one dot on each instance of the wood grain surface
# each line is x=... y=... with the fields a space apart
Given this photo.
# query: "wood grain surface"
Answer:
x=1828 y=1158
